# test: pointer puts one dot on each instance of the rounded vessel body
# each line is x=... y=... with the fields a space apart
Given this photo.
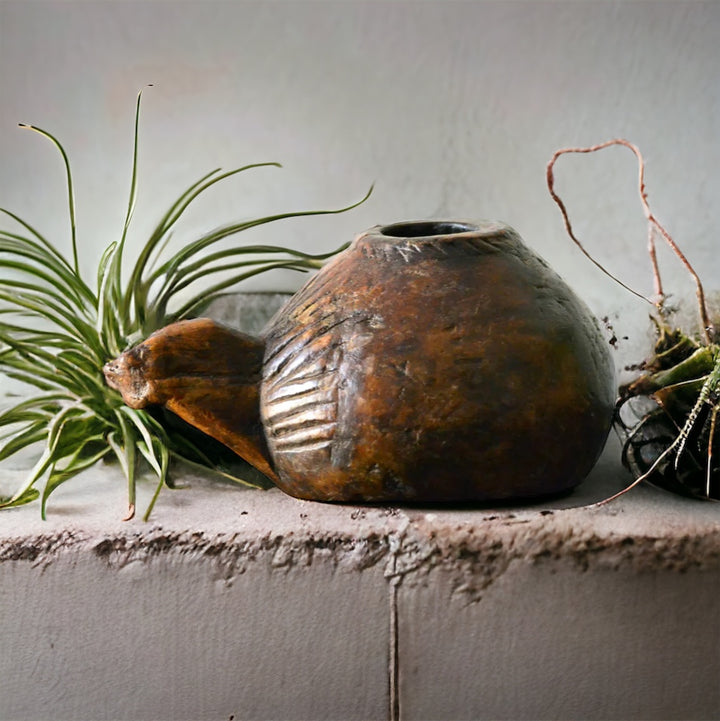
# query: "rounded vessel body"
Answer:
x=434 y=361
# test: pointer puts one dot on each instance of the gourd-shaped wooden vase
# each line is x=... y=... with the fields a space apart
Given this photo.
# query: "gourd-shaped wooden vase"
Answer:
x=432 y=361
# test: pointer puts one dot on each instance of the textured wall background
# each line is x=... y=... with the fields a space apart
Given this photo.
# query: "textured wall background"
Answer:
x=452 y=108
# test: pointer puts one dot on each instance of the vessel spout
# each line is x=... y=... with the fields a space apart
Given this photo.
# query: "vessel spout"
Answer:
x=207 y=374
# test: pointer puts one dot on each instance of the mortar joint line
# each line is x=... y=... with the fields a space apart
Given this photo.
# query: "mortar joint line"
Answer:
x=394 y=580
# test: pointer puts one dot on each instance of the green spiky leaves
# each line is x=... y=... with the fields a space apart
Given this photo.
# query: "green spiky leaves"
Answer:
x=57 y=330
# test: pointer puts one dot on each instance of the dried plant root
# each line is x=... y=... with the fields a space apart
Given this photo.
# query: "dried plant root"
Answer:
x=681 y=380
x=654 y=226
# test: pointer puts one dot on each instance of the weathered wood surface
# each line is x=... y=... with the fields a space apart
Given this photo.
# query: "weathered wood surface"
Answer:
x=430 y=362
x=435 y=361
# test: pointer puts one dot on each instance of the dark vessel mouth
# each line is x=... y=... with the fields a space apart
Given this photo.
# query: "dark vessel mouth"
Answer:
x=426 y=228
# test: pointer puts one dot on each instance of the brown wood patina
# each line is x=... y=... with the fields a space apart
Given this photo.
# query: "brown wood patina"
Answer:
x=432 y=361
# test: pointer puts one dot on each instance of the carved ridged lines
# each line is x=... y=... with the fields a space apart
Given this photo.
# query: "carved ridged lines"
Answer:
x=309 y=300
x=300 y=404
x=286 y=343
x=301 y=378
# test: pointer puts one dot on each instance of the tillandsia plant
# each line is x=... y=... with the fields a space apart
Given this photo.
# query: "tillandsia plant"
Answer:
x=671 y=435
x=58 y=329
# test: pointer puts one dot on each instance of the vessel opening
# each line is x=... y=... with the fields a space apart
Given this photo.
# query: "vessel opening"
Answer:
x=425 y=228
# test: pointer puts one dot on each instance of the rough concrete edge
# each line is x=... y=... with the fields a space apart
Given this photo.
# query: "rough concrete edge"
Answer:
x=473 y=555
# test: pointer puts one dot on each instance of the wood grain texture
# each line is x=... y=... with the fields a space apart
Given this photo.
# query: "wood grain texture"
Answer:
x=207 y=374
x=449 y=365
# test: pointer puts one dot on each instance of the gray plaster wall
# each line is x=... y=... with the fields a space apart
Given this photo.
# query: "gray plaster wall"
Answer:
x=450 y=108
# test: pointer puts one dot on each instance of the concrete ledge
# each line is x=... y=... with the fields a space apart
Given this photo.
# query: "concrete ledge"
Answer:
x=252 y=604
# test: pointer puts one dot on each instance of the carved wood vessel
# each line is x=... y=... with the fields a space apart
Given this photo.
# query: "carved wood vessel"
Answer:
x=432 y=361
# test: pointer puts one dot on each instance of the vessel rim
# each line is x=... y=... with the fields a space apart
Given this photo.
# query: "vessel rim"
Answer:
x=437 y=229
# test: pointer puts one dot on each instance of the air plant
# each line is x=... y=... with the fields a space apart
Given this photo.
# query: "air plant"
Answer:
x=58 y=329
x=671 y=439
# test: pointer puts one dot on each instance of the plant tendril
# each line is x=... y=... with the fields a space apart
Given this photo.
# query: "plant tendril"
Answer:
x=653 y=226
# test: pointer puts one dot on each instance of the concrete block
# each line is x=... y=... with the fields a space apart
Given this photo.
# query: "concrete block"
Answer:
x=551 y=640
x=180 y=620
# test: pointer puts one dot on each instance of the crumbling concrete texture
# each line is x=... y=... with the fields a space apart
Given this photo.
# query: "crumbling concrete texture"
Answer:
x=258 y=605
